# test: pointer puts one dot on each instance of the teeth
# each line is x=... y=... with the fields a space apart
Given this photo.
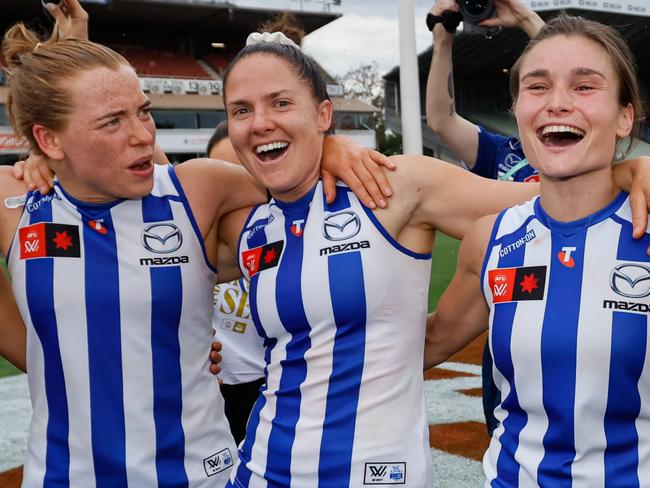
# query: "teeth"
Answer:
x=270 y=147
x=562 y=128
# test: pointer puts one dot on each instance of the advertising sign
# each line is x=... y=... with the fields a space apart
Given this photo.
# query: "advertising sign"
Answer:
x=627 y=7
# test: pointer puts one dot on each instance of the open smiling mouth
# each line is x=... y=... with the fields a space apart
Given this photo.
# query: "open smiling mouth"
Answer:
x=560 y=135
x=271 y=151
x=141 y=164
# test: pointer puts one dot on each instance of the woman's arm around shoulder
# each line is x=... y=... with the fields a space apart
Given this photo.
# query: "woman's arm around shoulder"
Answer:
x=446 y=197
x=462 y=313
x=215 y=188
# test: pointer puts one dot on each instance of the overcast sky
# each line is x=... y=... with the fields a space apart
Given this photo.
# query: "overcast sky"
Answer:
x=368 y=31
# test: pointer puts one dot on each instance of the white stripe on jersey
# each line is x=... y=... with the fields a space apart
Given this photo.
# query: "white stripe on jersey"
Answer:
x=73 y=342
x=594 y=379
x=387 y=430
x=268 y=313
x=157 y=312
x=591 y=392
x=136 y=344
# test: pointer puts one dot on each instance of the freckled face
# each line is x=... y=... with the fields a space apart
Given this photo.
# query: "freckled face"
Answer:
x=275 y=124
x=108 y=140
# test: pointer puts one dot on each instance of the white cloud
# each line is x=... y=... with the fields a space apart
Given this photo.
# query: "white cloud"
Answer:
x=367 y=32
x=356 y=39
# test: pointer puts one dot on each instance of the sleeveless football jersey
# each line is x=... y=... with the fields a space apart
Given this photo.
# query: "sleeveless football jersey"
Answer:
x=342 y=309
x=242 y=353
x=117 y=299
x=569 y=306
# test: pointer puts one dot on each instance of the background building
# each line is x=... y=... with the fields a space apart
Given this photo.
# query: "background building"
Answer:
x=179 y=49
x=482 y=68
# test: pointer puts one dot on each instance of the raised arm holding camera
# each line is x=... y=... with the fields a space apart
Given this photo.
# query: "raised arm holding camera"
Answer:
x=486 y=154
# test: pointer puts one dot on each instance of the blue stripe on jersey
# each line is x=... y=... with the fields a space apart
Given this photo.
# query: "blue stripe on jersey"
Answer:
x=348 y=294
x=105 y=363
x=40 y=301
x=291 y=311
x=559 y=344
x=629 y=342
x=628 y=350
x=166 y=303
x=156 y=209
x=246 y=227
x=166 y=292
x=501 y=335
x=243 y=473
x=630 y=249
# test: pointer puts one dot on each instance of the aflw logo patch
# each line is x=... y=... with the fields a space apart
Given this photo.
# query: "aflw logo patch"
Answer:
x=517 y=284
x=263 y=257
x=385 y=474
x=46 y=240
x=218 y=462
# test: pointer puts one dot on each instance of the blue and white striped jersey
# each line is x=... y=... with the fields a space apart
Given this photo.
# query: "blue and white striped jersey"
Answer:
x=117 y=299
x=342 y=309
x=569 y=335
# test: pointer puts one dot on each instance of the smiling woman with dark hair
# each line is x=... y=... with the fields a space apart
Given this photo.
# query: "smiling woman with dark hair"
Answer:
x=338 y=291
x=113 y=275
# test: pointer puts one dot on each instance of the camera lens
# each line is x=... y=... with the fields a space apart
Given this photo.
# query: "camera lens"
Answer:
x=474 y=11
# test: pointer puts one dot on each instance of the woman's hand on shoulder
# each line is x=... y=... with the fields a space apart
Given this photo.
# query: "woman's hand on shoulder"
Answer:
x=361 y=168
x=633 y=176
x=35 y=173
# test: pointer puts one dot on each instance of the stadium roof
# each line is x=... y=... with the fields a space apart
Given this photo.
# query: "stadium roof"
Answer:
x=476 y=56
x=223 y=18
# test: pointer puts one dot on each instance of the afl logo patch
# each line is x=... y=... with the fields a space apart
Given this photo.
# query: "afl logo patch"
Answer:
x=517 y=284
x=162 y=238
x=48 y=240
x=341 y=226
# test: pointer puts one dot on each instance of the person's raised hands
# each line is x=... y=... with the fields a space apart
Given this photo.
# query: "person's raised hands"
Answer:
x=513 y=13
x=71 y=20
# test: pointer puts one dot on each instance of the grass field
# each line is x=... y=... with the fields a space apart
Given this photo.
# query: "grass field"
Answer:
x=445 y=253
x=444 y=262
x=6 y=369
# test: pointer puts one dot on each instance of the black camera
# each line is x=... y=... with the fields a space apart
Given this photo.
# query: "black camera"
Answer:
x=474 y=11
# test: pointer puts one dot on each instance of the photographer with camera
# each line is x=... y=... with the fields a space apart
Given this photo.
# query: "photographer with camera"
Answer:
x=486 y=154
x=482 y=152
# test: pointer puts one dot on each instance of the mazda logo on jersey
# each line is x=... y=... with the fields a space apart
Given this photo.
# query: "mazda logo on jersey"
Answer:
x=341 y=226
x=162 y=238
x=631 y=280
x=517 y=284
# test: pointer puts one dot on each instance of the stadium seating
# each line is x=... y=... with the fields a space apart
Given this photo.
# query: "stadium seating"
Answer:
x=154 y=62
x=218 y=62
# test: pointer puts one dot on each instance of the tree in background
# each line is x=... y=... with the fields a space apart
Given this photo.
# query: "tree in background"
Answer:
x=365 y=83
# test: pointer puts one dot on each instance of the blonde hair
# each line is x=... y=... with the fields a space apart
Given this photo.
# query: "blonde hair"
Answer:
x=37 y=71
